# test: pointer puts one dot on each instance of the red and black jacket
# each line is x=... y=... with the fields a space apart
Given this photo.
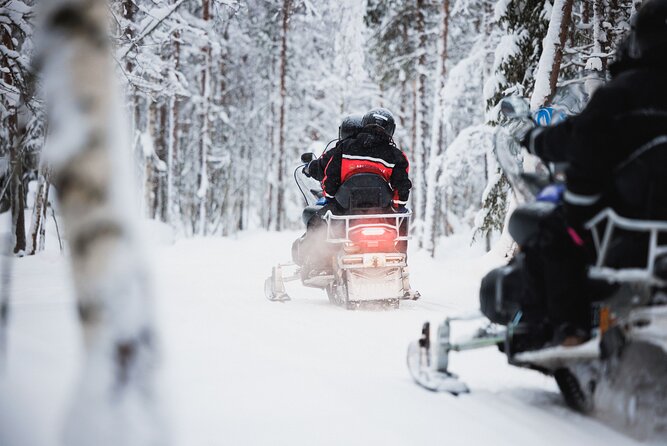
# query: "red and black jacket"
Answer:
x=368 y=152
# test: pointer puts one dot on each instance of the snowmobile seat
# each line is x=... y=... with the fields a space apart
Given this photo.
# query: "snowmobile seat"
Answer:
x=364 y=191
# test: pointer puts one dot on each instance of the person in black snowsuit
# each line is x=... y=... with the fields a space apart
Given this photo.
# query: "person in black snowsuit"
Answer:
x=348 y=129
x=308 y=249
x=370 y=150
x=622 y=117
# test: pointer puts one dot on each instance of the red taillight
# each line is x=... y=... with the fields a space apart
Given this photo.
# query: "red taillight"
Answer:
x=374 y=238
x=373 y=232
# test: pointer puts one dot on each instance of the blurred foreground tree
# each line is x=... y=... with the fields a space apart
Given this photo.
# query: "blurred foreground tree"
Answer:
x=88 y=152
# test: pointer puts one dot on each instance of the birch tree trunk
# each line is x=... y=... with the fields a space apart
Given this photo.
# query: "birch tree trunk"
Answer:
x=437 y=141
x=149 y=163
x=38 y=213
x=174 y=132
x=89 y=153
x=202 y=193
x=420 y=155
x=45 y=215
x=282 y=153
x=163 y=137
x=404 y=94
x=413 y=138
x=552 y=54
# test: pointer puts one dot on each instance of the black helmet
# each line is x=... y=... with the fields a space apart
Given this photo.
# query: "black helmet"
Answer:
x=382 y=118
x=350 y=126
x=648 y=37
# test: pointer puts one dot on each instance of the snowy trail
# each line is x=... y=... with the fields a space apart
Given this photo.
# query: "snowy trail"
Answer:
x=240 y=370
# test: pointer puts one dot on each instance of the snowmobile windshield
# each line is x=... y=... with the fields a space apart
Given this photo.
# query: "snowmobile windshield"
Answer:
x=311 y=189
x=572 y=97
x=526 y=173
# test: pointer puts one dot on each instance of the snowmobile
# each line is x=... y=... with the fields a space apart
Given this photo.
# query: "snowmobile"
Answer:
x=361 y=260
x=622 y=370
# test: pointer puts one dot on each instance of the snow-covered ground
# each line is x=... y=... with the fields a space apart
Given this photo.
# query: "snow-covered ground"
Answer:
x=240 y=370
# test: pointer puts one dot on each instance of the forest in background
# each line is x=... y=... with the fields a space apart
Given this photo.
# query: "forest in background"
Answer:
x=223 y=96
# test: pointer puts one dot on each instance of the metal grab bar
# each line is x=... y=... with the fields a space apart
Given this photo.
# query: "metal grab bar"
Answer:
x=399 y=220
x=602 y=243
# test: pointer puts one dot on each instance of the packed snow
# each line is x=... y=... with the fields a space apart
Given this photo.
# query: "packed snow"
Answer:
x=238 y=369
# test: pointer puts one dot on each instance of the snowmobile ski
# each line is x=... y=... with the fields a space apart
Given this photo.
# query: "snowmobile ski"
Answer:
x=274 y=286
x=431 y=376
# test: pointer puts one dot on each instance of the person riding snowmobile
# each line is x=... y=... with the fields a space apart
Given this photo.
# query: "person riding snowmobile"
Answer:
x=623 y=117
x=371 y=151
x=349 y=128
x=367 y=150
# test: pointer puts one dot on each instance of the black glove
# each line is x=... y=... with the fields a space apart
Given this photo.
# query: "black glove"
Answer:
x=525 y=139
x=528 y=139
x=400 y=209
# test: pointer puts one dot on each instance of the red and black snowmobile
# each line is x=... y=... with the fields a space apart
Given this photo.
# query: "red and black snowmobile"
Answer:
x=354 y=247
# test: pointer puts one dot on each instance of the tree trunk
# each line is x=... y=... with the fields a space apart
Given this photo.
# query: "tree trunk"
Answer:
x=38 y=212
x=17 y=193
x=129 y=10
x=421 y=126
x=552 y=54
x=115 y=402
x=405 y=92
x=433 y=170
x=174 y=132
x=149 y=165
x=599 y=39
x=280 y=192
x=163 y=136
x=202 y=192
x=45 y=215
x=413 y=136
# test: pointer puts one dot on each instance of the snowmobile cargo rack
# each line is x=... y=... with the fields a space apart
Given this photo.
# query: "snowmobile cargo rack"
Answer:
x=398 y=221
x=602 y=242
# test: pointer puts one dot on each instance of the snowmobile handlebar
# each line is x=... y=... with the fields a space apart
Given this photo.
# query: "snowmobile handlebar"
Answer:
x=513 y=157
x=304 y=187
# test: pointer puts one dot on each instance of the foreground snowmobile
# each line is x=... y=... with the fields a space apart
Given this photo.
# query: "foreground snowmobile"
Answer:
x=360 y=261
x=622 y=370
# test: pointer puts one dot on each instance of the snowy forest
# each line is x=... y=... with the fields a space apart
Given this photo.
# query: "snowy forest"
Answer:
x=223 y=96
x=148 y=158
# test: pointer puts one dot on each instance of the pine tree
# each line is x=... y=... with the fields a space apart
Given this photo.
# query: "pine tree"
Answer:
x=516 y=59
x=515 y=64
